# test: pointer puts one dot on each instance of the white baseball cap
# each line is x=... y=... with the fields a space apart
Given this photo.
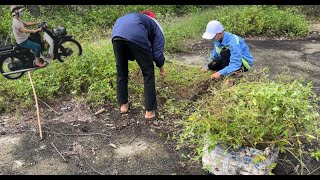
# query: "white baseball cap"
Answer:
x=213 y=27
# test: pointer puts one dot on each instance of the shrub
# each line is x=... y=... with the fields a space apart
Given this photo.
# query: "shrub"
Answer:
x=5 y=23
x=87 y=22
x=256 y=112
x=92 y=76
x=241 y=20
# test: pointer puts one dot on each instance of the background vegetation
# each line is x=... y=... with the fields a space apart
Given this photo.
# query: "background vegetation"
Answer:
x=279 y=112
x=257 y=112
x=94 y=73
x=92 y=22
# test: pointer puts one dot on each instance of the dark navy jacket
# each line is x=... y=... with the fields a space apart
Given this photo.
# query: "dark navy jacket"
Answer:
x=143 y=31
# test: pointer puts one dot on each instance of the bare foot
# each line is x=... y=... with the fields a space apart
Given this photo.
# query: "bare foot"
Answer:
x=150 y=114
x=124 y=108
x=39 y=63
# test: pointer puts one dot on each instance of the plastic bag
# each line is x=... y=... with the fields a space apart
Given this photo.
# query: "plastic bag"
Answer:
x=243 y=161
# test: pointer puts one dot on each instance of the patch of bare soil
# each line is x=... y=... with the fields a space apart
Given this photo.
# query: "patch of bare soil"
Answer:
x=75 y=141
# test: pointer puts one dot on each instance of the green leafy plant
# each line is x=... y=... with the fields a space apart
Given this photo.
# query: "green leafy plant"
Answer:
x=316 y=154
x=256 y=112
x=269 y=21
x=93 y=74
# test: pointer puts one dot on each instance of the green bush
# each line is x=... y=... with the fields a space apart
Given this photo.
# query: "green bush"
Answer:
x=256 y=113
x=93 y=74
x=93 y=77
x=5 y=23
x=87 y=22
x=241 y=20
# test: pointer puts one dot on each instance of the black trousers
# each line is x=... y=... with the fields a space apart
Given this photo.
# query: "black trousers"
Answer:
x=217 y=65
x=124 y=51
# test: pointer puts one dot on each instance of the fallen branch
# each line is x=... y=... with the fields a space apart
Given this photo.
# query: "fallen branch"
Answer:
x=88 y=134
x=314 y=171
x=49 y=106
x=94 y=169
x=58 y=152
x=81 y=164
x=134 y=138
x=100 y=111
x=36 y=100
x=67 y=134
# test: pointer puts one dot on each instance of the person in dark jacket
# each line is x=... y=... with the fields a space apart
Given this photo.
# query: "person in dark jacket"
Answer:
x=138 y=36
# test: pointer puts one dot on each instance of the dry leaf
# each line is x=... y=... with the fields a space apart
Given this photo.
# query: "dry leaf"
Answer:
x=113 y=145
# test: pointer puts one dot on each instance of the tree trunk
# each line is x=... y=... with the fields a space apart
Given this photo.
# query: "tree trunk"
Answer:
x=34 y=10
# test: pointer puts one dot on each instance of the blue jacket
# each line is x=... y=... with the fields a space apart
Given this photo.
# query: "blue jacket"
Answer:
x=143 y=31
x=238 y=50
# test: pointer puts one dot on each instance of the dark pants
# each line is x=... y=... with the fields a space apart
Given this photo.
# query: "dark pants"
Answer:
x=36 y=48
x=124 y=51
x=217 y=65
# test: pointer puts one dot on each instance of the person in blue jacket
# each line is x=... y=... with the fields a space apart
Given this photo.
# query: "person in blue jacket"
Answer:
x=230 y=53
x=138 y=36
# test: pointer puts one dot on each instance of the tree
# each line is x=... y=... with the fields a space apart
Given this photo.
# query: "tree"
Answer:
x=34 y=10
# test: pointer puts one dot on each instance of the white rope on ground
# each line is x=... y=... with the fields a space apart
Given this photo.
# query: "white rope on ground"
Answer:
x=37 y=106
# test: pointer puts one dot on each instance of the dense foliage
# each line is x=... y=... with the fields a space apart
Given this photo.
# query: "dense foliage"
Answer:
x=268 y=21
x=256 y=112
x=259 y=112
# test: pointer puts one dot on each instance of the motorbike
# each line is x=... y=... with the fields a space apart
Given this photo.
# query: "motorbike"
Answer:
x=55 y=44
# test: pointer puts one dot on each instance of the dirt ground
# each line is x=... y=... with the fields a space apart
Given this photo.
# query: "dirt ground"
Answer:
x=109 y=143
x=75 y=141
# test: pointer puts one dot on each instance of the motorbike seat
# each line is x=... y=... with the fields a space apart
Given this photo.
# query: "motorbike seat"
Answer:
x=16 y=47
x=5 y=48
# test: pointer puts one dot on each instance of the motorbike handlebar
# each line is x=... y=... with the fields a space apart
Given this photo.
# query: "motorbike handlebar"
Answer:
x=43 y=25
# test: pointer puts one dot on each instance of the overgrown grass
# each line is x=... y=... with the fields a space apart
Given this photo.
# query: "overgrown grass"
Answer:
x=241 y=20
x=92 y=76
x=251 y=113
x=96 y=21
x=88 y=22
x=256 y=112
x=94 y=73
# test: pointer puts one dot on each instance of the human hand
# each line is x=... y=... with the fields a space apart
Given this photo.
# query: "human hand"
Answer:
x=37 y=30
x=216 y=75
x=205 y=69
x=162 y=72
x=44 y=25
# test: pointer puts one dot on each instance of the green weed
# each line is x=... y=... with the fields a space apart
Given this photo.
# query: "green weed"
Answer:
x=256 y=112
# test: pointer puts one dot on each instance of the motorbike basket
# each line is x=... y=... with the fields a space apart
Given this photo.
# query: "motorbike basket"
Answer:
x=60 y=31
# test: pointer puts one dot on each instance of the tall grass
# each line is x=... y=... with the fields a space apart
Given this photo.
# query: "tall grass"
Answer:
x=243 y=20
x=93 y=74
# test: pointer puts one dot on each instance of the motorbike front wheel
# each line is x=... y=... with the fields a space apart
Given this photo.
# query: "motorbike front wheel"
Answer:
x=10 y=64
x=69 y=49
